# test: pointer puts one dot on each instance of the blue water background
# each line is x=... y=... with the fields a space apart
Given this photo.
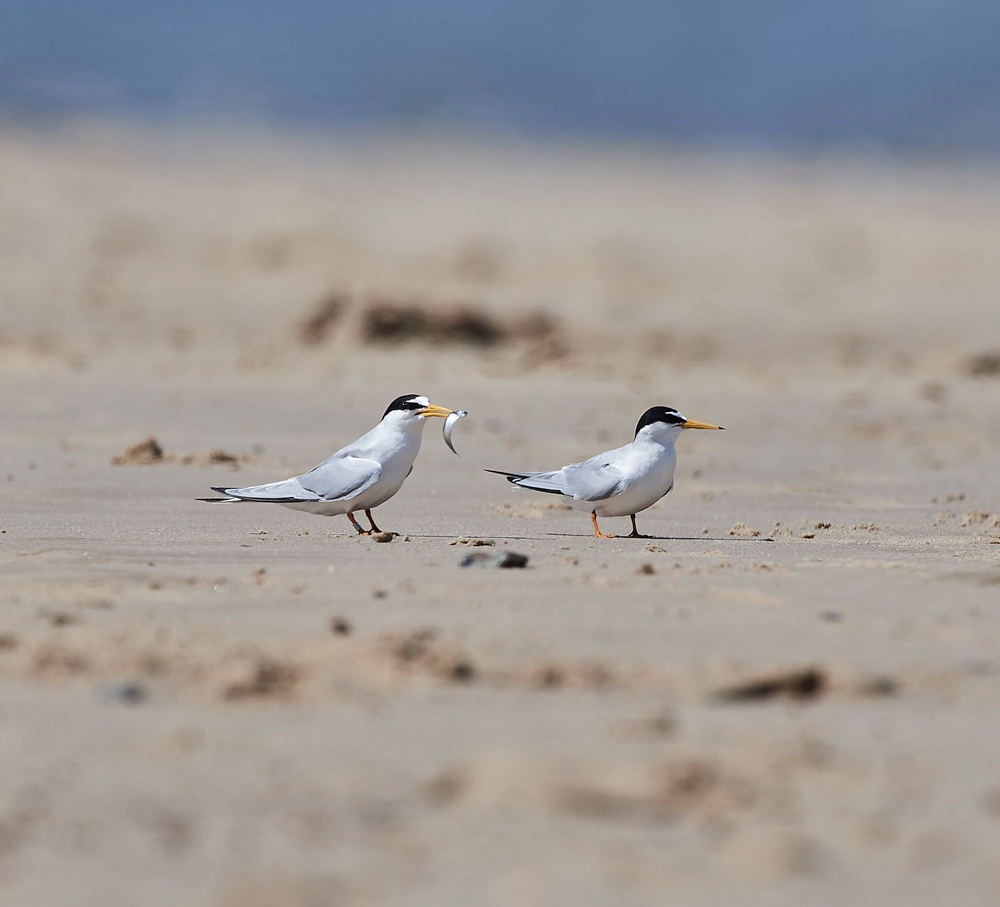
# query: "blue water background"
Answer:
x=920 y=76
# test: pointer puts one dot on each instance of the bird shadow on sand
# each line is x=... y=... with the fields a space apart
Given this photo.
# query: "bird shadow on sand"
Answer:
x=662 y=538
x=582 y=535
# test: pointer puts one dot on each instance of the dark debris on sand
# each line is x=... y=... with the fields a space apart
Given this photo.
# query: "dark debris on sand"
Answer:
x=316 y=328
x=421 y=650
x=388 y=323
x=985 y=365
x=149 y=452
x=141 y=454
x=800 y=685
x=268 y=678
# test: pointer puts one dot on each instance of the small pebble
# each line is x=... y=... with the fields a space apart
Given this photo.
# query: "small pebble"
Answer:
x=462 y=672
x=340 y=626
x=880 y=686
x=130 y=692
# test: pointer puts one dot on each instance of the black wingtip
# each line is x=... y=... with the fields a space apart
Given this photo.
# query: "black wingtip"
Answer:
x=215 y=500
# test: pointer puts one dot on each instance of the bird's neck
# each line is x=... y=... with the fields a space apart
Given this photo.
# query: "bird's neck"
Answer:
x=653 y=441
x=387 y=439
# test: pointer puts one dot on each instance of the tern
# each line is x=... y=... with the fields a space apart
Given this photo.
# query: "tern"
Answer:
x=619 y=482
x=357 y=477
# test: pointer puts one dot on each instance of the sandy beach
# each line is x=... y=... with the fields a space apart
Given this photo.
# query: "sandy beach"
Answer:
x=786 y=695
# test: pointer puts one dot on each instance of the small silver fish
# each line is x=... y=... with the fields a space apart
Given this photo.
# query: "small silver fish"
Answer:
x=449 y=424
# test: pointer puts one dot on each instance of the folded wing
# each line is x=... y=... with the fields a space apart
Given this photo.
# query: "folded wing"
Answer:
x=336 y=479
x=593 y=480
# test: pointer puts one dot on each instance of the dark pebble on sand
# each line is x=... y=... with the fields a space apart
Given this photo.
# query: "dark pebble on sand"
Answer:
x=503 y=559
x=340 y=626
x=130 y=693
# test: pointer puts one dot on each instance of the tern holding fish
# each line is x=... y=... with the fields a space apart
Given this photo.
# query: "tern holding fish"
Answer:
x=362 y=475
x=619 y=482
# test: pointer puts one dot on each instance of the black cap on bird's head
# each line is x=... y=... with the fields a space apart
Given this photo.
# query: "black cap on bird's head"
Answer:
x=416 y=404
x=407 y=403
x=668 y=416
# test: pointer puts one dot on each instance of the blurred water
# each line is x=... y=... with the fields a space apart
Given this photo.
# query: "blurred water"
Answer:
x=903 y=76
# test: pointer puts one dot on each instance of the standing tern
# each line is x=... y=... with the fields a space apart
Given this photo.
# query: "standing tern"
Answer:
x=357 y=477
x=619 y=482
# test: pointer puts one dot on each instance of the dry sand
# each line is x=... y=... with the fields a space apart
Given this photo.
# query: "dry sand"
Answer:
x=787 y=696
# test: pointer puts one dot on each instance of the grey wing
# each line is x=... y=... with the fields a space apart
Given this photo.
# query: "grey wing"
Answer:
x=594 y=479
x=341 y=477
x=333 y=480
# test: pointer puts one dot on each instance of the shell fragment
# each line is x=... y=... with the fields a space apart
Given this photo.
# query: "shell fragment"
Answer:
x=449 y=424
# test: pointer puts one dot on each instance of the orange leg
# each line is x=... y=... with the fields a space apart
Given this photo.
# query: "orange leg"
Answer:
x=597 y=532
x=375 y=528
x=357 y=525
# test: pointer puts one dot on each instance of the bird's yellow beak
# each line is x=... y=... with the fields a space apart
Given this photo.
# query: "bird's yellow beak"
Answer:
x=432 y=410
x=692 y=424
